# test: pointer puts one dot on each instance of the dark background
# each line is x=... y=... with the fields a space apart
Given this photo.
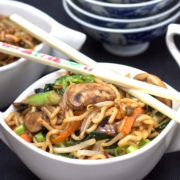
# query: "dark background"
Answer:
x=156 y=60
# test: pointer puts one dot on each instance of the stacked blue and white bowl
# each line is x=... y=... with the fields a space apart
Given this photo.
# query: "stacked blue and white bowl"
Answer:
x=125 y=27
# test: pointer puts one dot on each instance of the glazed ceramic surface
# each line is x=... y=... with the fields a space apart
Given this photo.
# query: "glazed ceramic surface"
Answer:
x=121 y=23
x=124 y=42
x=125 y=1
x=132 y=10
x=173 y=29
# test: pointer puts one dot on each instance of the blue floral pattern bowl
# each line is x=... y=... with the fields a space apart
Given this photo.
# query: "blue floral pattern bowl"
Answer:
x=133 y=10
x=121 y=23
x=124 y=42
x=124 y=1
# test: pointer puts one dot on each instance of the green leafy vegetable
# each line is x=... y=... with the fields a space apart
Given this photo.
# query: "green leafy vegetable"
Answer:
x=20 y=107
x=116 y=150
x=163 y=124
x=158 y=113
x=143 y=142
x=47 y=87
x=98 y=136
x=66 y=80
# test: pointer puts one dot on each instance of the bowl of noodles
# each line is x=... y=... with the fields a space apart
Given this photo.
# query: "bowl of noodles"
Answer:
x=74 y=126
x=16 y=74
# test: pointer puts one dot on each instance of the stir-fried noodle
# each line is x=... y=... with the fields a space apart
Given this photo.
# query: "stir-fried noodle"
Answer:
x=12 y=34
x=83 y=117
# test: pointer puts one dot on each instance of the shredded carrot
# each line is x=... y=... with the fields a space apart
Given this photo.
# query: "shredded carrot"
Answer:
x=58 y=86
x=73 y=126
x=26 y=137
x=119 y=114
x=129 y=120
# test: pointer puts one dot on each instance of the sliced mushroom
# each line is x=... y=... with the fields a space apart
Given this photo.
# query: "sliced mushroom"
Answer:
x=152 y=79
x=109 y=129
x=81 y=95
x=31 y=123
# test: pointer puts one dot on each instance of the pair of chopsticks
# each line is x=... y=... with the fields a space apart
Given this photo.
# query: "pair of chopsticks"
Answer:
x=134 y=87
x=81 y=58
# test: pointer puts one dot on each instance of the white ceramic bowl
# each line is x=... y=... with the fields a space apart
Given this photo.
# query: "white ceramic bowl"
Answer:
x=124 y=42
x=121 y=23
x=131 y=10
x=134 y=166
x=173 y=30
x=15 y=77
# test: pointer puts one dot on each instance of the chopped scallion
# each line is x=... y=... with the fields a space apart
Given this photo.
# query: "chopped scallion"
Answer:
x=144 y=142
x=40 y=137
x=131 y=149
x=20 y=129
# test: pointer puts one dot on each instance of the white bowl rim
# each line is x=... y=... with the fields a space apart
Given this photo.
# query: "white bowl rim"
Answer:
x=125 y=31
x=134 y=5
x=38 y=47
x=102 y=18
x=87 y=162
